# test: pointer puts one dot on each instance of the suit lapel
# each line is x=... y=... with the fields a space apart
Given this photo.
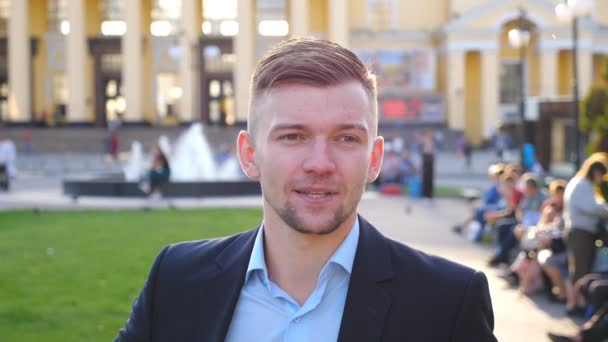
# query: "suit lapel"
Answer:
x=223 y=289
x=367 y=302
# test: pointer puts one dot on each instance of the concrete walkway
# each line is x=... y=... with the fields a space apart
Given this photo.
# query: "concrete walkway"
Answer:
x=518 y=318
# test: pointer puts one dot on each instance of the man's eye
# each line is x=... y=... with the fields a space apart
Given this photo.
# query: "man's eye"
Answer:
x=349 y=139
x=290 y=137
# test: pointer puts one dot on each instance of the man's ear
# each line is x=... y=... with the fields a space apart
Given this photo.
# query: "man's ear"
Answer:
x=376 y=161
x=245 y=150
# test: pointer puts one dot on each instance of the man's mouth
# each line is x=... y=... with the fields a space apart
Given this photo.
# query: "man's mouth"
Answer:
x=316 y=194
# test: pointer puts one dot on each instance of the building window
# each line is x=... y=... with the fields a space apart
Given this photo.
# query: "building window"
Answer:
x=5 y=8
x=382 y=15
x=111 y=62
x=510 y=82
x=271 y=21
x=169 y=93
x=165 y=17
x=61 y=92
x=58 y=16
x=219 y=18
x=113 y=23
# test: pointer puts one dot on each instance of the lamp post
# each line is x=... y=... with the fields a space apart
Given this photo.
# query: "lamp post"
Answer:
x=519 y=38
x=570 y=12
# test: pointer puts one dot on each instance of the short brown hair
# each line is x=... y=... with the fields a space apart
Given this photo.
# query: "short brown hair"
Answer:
x=312 y=62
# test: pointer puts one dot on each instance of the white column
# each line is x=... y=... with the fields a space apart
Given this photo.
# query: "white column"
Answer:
x=189 y=66
x=76 y=62
x=298 y=18
x=585 y=71
x=19 y=57
x=548 y=73
x=455 y=87
x=338 y=22
x=489 y=91
x=132 y=54
x=244 y=46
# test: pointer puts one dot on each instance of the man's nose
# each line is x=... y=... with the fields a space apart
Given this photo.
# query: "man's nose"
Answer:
x=319 y=158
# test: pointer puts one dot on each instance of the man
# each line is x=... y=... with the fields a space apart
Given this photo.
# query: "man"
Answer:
x=314 y=270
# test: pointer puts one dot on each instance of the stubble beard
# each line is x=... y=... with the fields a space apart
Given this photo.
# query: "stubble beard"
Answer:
x=289 y=214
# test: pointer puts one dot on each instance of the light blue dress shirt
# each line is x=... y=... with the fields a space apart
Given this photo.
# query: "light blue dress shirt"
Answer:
x=264 y=312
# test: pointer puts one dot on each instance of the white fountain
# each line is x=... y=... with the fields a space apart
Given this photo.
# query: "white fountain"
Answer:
x=190 y=159
x=135 y=167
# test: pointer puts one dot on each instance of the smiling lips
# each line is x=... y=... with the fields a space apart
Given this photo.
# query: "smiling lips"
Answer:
x=316 y=194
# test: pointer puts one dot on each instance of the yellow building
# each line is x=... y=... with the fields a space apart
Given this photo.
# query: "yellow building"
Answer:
x=169 y=61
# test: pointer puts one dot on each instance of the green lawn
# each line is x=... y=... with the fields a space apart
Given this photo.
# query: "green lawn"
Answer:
x=72 y=276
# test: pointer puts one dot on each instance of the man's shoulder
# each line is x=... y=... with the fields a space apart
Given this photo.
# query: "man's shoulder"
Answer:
x=198 y=253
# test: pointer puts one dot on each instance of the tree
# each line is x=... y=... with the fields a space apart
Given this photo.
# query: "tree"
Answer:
x=594 y=115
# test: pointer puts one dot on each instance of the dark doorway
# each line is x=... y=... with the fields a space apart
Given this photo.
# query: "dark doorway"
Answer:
x=113 y=96
x=217 y=84
x=107 y=57
x=551 y=112
x=220 y=106
x=4 y=86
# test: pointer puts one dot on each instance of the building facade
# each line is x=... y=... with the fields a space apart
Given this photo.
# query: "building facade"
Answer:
x=161 y=62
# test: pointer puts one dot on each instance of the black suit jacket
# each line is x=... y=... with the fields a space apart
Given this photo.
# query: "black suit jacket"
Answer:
x=395 y=293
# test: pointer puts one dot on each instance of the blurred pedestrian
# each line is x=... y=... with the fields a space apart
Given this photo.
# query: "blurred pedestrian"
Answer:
x=501 y=143
x=8 y=159
x=466 y=149
x=113 y=144
x=428 y=166
x=582 y=212
x=27 y=141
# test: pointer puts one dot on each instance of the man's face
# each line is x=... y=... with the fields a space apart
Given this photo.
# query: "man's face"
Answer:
x=313 y=151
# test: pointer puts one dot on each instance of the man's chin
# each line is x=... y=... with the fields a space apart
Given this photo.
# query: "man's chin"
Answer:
x=317 y=227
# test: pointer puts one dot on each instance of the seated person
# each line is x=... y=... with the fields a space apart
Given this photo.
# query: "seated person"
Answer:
x=549 y=233
x=158 y=175
x=529 y=209
x=504 y=220
x=594 y=288
x=489 y=200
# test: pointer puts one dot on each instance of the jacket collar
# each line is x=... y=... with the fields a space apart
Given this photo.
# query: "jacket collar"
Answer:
x=367 y=302
x=224 y=287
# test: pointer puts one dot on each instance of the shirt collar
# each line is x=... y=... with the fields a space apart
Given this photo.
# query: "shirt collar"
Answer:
x=344 y=255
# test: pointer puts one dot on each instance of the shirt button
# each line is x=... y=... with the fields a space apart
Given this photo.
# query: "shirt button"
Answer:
x=297 y=320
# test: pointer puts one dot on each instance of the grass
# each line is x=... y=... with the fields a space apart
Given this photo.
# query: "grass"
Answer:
x=72 y=276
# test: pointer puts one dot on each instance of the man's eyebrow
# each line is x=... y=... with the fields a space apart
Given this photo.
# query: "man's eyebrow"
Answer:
x=358 y=127
x=340 y=127
x=282 y=127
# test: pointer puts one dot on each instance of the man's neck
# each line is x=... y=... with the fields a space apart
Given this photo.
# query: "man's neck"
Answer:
x=294 y=260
